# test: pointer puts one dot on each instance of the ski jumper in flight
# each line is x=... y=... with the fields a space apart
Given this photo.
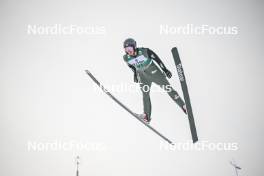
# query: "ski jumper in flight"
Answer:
x=148 y=68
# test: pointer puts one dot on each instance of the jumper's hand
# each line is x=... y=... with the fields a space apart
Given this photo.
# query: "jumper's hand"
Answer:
x=135 y=78
x=168 y=73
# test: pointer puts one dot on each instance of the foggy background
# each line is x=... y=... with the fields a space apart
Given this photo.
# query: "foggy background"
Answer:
x=46 y=96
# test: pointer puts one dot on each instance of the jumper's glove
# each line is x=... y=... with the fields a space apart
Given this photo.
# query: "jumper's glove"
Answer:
x=135 y=78
x=167 y=72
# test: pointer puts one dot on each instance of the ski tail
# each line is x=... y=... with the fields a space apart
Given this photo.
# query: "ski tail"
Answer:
x=184 y=87
x=126 y=108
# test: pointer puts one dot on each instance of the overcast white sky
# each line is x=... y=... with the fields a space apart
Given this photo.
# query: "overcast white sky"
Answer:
x=47 y=97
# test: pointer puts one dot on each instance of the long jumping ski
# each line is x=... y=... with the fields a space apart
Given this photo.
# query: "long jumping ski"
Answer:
x=184 y=87
x=126 y=108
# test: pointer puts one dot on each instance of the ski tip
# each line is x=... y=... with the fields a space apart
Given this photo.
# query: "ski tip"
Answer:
x=87 y=71
x=173 y=49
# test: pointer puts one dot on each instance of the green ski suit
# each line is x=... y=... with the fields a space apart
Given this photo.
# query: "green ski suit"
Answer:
x=146 y=72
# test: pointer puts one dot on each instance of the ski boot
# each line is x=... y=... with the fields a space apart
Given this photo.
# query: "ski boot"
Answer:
x=144 y=117
x=184 y=109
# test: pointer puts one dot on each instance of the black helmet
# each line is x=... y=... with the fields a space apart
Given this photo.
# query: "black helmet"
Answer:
x=130 y=42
